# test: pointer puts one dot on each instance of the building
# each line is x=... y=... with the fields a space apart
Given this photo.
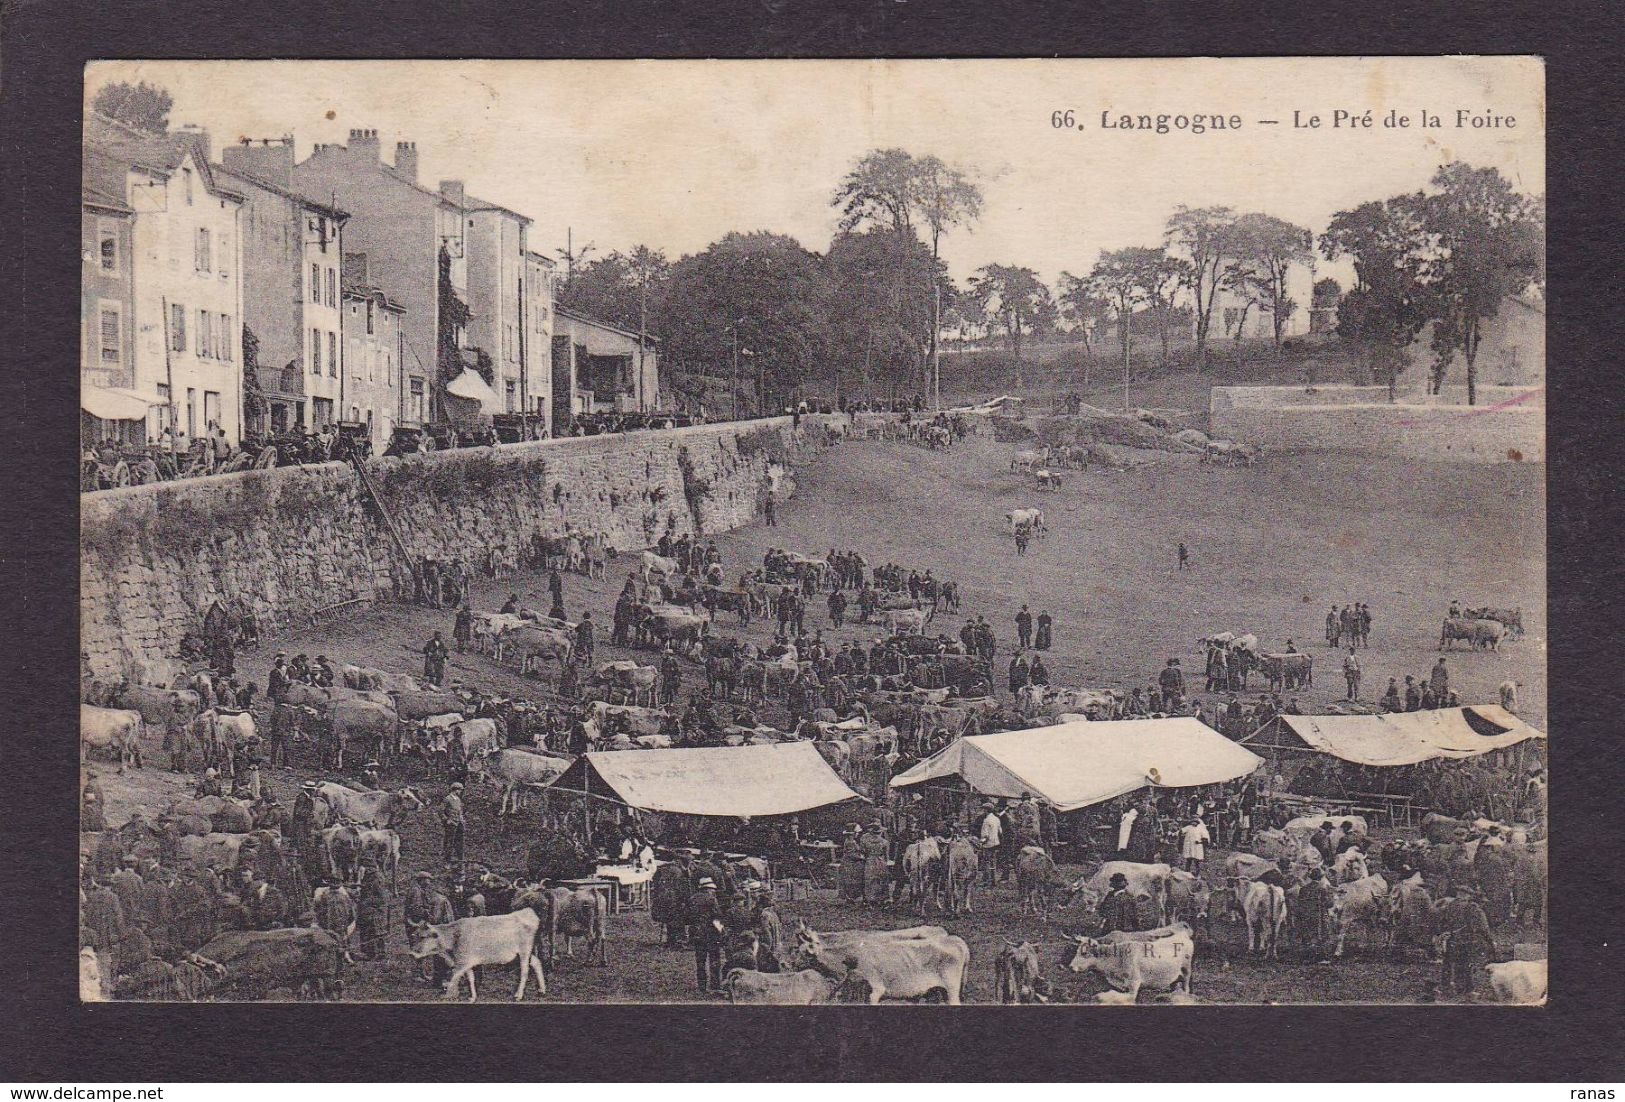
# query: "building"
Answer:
x=292 y=250
x=374 y=346
x=541 y=284
x=1511 y=349
x=183 y=310
x=107 y=287
x=456 y=264
x=599 y=368
x=1258 y=322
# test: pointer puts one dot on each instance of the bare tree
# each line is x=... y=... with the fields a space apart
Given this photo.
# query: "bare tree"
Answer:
x=1205 y=237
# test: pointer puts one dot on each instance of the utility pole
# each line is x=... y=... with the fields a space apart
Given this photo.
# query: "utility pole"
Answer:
x=733 y=387
x=169 y=378
x=936 y=344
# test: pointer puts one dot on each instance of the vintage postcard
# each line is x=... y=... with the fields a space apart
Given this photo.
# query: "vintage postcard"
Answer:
x=799 y=532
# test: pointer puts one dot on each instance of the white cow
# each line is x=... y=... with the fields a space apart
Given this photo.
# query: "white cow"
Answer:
x=470 y=943
x=1032 y=518
x=1143 y=879
x=1518 y=981
x=1158 y=960
x=1265 y=908
x=1364 y=902
x=653 y=564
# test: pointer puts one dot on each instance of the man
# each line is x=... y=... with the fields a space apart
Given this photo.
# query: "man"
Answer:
x=769 y=510
x=92 y=806
x=1332 y=627
x=1119 y=910
x=1020 y=674
x=837 y=607
x=426 y=903
x=1193 y=841
x=276 y=683
x=770 y=956
x=668 y=897
x=434 y=660
x=324 y=675
x=705 y=923
x=1468 y=944
x=511 y=605
x=1413 y=694
x=584 y=637
x=1365 y=624
x=1024 y=628
x=1039 y=675
x=555 y=587
x=1439 y=680
x=1311 y=913
x=264 y=906
x=1172 y=683
x=990 y=837
x=1322 y=841
x=876 y=870
x=1045 y=637
x=462 y=628
x=1351 y=673
x=1184 y=556
x=372 y=909
x=1391 y=701
x=1145 y=833
x=451 y=824
x=335 y=911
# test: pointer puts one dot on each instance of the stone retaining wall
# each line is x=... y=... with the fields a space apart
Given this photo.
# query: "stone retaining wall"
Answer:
x=293 y=541
x=1485 y=433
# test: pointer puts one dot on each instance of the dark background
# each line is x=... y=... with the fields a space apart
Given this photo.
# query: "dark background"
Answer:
x=45 y=1035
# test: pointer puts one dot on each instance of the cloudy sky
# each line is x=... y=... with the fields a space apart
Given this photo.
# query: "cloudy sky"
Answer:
x=675 y=154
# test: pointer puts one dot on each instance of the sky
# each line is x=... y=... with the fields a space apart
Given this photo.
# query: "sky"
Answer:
x=674 y=154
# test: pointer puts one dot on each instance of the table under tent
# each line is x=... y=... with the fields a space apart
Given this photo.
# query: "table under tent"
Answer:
x=1077 y=768
x=1398 y=764
x=765 y=800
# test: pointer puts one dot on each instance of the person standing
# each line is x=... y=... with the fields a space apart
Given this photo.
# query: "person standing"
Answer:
x=434 y=660
x=1332 y=625
x=1044 y=638
x=770 y=510
x=584 y=637
x=1118 y=910
x=1351 y=673
x=668 y=897
x=1413 y=694
x=1391 y=701
x=335 y=911
x=1144 y=833
x=705 y=924
x=1172 y=683
x=1468 y=944
x=876 y=870
x=462 y=628
x=1193 y=841
x=1184 y=556
x=990 y=837
x=671 y=676
x=1024 y=628
x=1020 y=674
x=451 y=825
x=1439 y=681
x=555 y=586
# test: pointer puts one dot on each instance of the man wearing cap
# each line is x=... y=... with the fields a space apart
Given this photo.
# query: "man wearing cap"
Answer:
x=434 y=660
x=372 y=902
x=876 y=872
x=1172 y=683
x=1439 y=680
x=705 y=923
x=1312 y=912
x=1468 y=944
x=668 y=896
x=1321 y=839
x=451 y=825
x=1351 y=674
x=1119 y=910
x=426 y=903
x=335 y=910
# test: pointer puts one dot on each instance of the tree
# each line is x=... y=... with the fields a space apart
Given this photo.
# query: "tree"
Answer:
x=1485 y=243
x=1016 y=297
x=622 y=289
x=1264 y=250
x=880 y=190
x=1084 y=310
x=881 y=310
x=1383 y=312
x=253 y=397
x=142 y=106
x=763 y=290
x=1119 y=278
x=1206 y=238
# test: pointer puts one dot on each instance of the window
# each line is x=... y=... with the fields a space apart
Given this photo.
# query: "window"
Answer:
x=204 y=326
x=227 y=337
x=191 y=412
x=414 y=409
x=333 y=354
x=389 y=370
x=112 y=352
x=315 y=352
x=201 y=256
x=109 y=246
x=332 y=287
x=316 y=284
x=369 y=315
x=164 y=409
x=211 y=409
x=186 y=177
x=355 y=413
x=177 y=329
x=224 y=255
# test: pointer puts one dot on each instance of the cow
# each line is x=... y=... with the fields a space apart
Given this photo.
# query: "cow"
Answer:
x=1027 y=459
x=1364 y=902
x=375 y=809
x=534 y=643
x=1188 y=898
x=1037 y=700
x=1264 y=905
x=384 y=847
x=115 y=729
x=1036 y=877
x=1308 y=824
x=1032 y=519
x=223 y=815
x=652 y=564
x=903 y=621
x=470 y=943
x=340 y=844
x=1518 y=981
x=1143 y=879
x=222 y=730
x=1510 y=618
x=962 y=863
x=513 y=769
x=639 y=681
x=922 y=865
x=683 y=630
x=165 y=710
x=1475 y=633
x=489 y=626
x=807 y=987
x=1288 y=671
x=225 y=851
x=574 y=913
x=363 y=721
x=897 y=964
x=1159 y=960
x=737 y=601
x=1350 y=866
x=1411 y=914
x=477 y=737
x=365 y=677
x=1017 y=976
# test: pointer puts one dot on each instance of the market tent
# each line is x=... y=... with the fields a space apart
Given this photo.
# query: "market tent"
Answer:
x=1401 y=738
x=1073 y=765
x=115 y=403
x=737 y=781
x=470 y=387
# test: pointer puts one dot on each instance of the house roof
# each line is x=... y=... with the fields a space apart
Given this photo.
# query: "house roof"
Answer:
x=733 y=781
x=162 y=153
x=304 y=200
x=576 y=315
x=1074 y=765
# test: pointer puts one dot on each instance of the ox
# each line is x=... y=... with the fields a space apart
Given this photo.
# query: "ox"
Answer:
x=652 y=564
x=1159 y=960
x=115 y=729
x=1032 y=519
x=897 y=964
x=470 y=943
x=807 y=987
x=1017 y=975
x=513 y=769
x=167 y=710
x=1036 y=879
x=903 y=621
x=1518 y=981
x=922 y=864
x=363 y=721
x=1288 y=671
x=1511 y=618
x=639 y=681
x=577 y=913
x=1364 y=902
x=962 y=864
x=1476 y=634
x=534 y=644
x=375 y=809
x=1264 y=906
x=1143 y=879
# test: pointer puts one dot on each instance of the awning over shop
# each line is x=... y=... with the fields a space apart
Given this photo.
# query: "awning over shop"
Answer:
x=1401 y=738
x=470 y=386
x=1073 y=765
x=736 y=781
x=115 y=403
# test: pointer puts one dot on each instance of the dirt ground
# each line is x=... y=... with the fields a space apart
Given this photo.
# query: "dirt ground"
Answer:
x=1271 y=549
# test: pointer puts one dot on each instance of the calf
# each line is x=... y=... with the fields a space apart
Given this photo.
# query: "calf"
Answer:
x=1160 y=960
x=1518 y=981
x=807 y=987
x=469 y=943
x=1017 y=974
x=1036 y=877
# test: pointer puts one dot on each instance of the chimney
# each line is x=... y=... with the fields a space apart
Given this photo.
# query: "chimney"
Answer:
x=355 y=270
x=200 y=140
x=364 y=146
x=453 y=190
x=271 y=160
x=406 y=160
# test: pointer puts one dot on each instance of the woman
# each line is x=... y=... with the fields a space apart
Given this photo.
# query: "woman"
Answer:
x=876 y=868
x=852 y=861
x=1193 y=841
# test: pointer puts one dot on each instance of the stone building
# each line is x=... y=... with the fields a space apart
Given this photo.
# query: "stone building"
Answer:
x=185 y=264
x=292 y=246
x=600 y=368
x=541 y=284
x=107 y=304
x=376 y=390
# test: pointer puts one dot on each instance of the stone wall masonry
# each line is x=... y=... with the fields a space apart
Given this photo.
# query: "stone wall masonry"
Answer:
x=291 y=542
x=1273 y=397
x=1480 y=434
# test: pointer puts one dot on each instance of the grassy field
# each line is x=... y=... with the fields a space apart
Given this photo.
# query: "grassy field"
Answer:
x=1271 y=548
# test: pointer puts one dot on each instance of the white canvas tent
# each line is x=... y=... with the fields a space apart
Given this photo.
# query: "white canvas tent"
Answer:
x=735 y=781
x=1400 y=738
x=1074 y=765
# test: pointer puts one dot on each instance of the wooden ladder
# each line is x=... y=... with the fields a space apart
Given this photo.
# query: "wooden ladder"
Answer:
x=383 y=513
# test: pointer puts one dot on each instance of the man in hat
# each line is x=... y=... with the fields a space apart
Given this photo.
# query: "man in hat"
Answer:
x=1321 y=839
x=1020 y=673
x=1439 y=680
x=462 y=628
x=369 y=775
x=1119 y=910
x=706 y=926
x=770 y=954
x=668 y=896
x=427 y=903
x=1391 y=700
x=1024 y=628
x=92 y=805
x=584 y=637
x=1312 y=914
x=335 y=910
x=876 y=871
x=277 y=681
x=372 y=903
x=1468 y=944
x=434 y=660
x=451 y=825
x=323 y=673
x=1172 y=683
x=1351 y=673
x=1193 y=842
